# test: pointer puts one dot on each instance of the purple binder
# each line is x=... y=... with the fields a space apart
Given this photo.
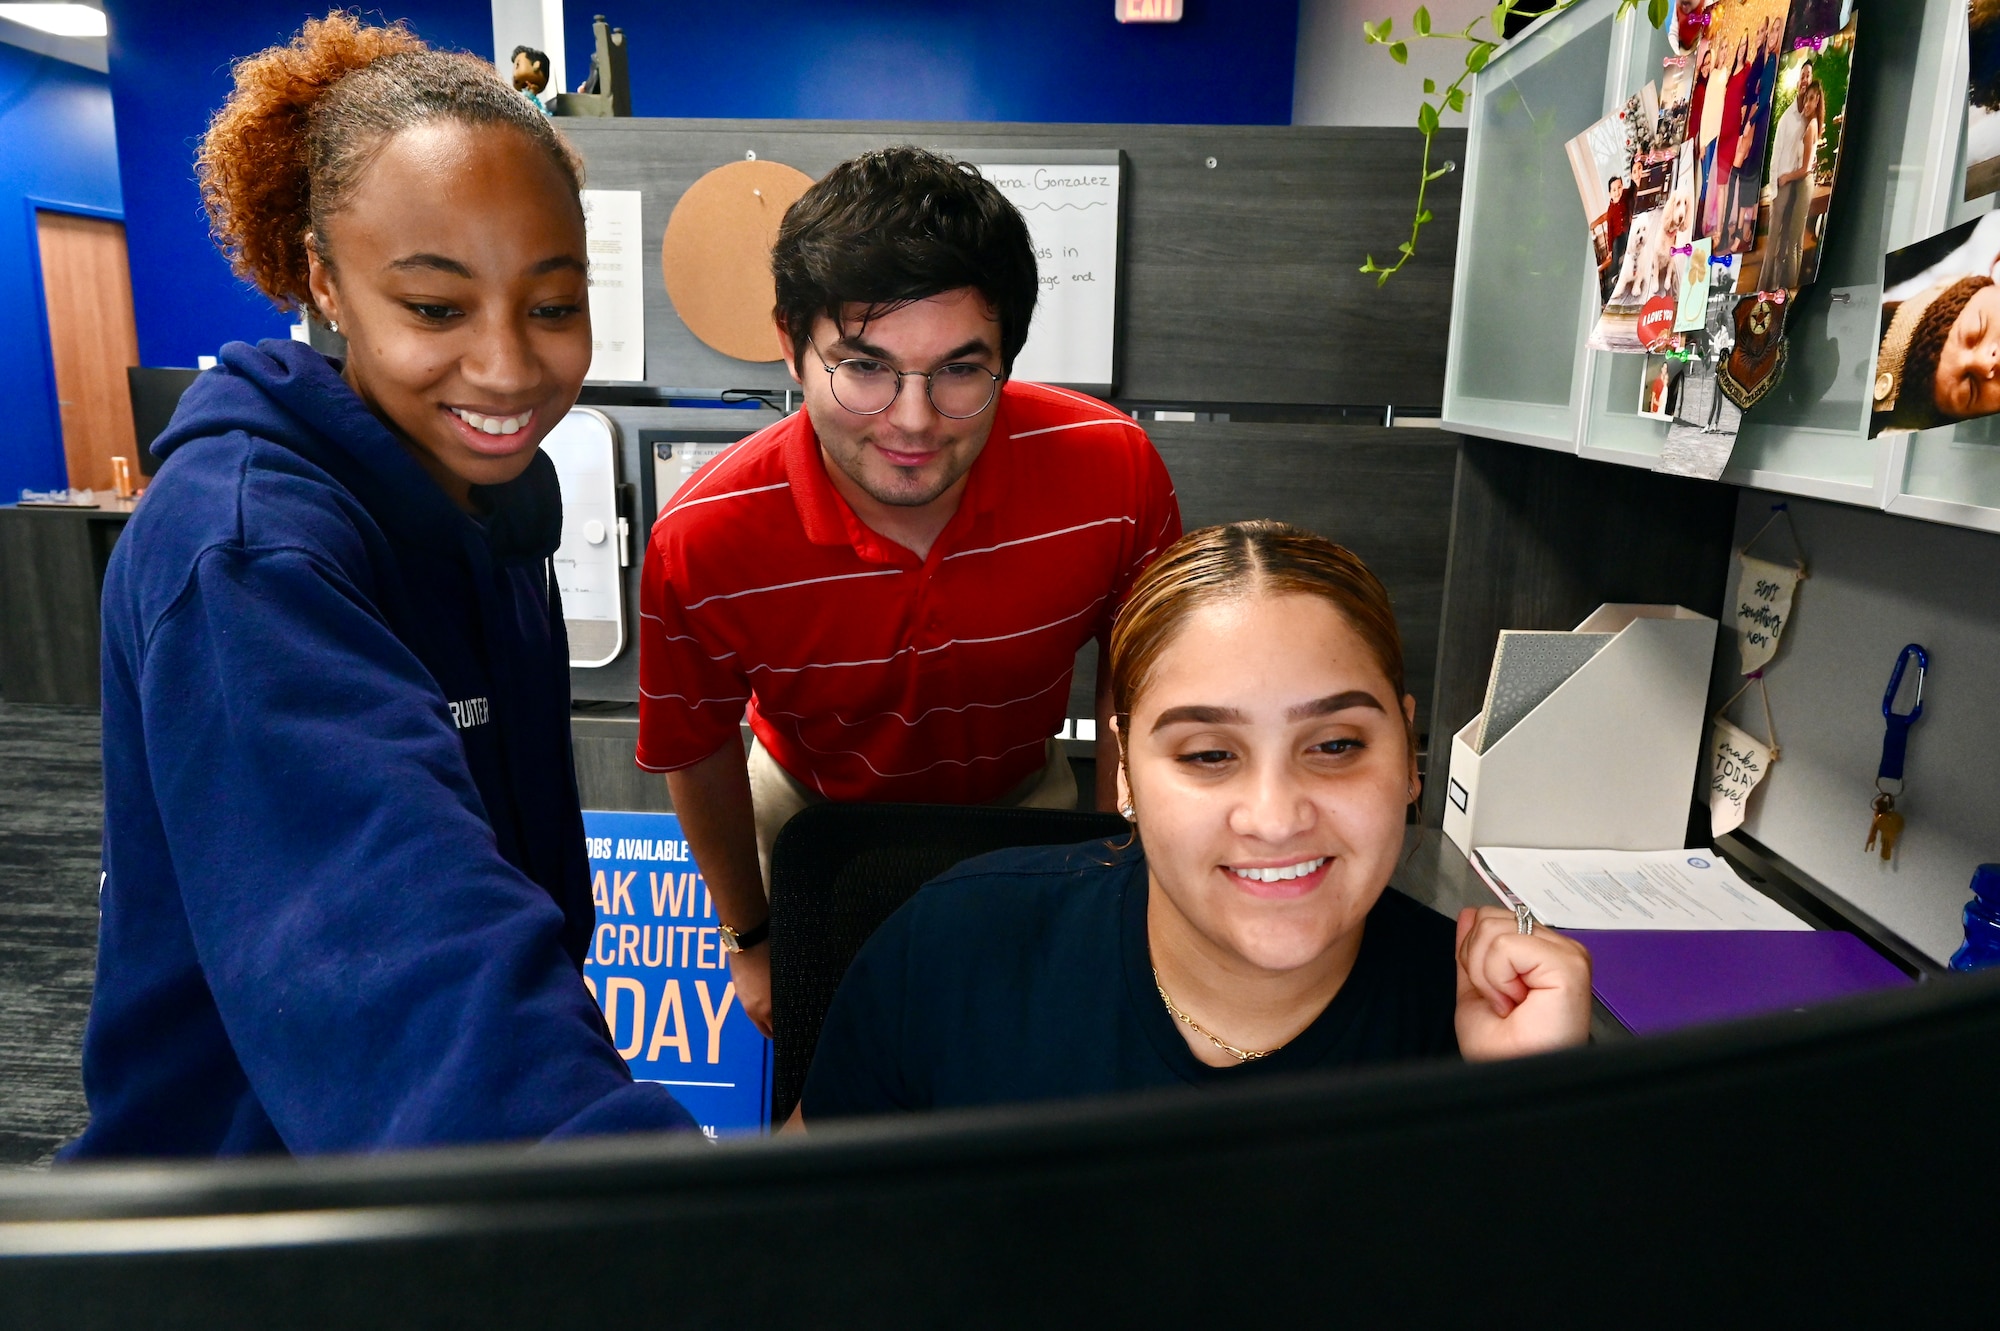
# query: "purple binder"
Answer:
x=1660 y=980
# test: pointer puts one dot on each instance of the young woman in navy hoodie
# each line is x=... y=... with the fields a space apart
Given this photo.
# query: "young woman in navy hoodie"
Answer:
x=345 y=897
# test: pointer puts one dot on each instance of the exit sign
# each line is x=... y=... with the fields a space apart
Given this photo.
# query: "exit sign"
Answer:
x=1147 y=11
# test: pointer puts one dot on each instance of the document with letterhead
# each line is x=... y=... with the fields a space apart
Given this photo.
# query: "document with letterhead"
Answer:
x=1627 y=889
x=614 y=245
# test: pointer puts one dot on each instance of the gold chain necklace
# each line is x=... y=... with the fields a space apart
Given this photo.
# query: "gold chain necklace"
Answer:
x=1240 y=1055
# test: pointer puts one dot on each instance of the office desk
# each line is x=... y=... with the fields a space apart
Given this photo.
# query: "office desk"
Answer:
x=1437 y=874
x=52 y=564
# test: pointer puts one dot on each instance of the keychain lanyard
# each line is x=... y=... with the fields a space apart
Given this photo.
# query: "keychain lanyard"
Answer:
x=1896 y=735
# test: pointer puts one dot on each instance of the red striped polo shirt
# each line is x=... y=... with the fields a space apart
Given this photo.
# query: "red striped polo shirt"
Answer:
x=870 y=674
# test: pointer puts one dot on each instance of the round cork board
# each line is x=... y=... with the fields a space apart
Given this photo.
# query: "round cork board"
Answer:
x=717 y=255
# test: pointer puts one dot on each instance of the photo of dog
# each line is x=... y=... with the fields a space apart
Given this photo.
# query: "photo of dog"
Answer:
x=1656 y=252
x=1598 y=160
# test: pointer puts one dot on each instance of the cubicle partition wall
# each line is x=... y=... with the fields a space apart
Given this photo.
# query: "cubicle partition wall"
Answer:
x=1539 y=540
x=1239 y=270
x=1879 y=581
x=1558 y=508
x=1519 y=369
x=1386 y=494
x=1242 y=314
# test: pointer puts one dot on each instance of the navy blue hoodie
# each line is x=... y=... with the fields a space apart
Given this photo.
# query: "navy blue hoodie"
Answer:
x=346 y=897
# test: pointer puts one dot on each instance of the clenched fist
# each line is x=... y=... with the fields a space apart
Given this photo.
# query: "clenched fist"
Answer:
x=1518 y=993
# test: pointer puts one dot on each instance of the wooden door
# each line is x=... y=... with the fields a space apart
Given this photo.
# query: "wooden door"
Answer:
x=87 y=291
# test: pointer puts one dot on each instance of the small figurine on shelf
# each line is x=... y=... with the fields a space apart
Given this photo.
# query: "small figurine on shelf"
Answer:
x=531 y=75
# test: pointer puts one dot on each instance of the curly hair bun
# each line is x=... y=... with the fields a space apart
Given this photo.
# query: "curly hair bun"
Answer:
x=288 y=147
x=254 y=165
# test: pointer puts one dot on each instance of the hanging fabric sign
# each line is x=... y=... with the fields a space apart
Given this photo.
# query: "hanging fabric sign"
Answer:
x=1763 y=606
x=1737 y=762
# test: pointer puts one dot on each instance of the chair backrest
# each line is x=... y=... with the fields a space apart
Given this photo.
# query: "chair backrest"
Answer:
x=839 y=870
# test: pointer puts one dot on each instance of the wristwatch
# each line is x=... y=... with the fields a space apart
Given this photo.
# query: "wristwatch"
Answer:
x=733 y=942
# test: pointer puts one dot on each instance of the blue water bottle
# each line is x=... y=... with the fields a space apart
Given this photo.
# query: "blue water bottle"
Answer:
x=1982 y=922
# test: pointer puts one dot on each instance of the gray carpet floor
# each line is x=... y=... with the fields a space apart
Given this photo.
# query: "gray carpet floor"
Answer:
x=51 y=825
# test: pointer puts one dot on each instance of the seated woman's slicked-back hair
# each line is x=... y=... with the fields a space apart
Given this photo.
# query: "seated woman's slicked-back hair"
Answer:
x=896 y=226
x=1239 y=559
x=288 y=147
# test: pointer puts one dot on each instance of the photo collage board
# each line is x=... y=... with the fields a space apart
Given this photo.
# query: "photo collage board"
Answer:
x=1707 y=195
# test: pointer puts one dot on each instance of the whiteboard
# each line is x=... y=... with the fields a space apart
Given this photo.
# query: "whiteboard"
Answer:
x=594 y=549
x=1071 y=203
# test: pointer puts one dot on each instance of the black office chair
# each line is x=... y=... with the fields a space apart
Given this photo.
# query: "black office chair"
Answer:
x=839 y=870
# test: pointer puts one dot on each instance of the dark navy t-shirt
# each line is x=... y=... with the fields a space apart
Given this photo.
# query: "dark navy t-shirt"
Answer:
x=1026 y=975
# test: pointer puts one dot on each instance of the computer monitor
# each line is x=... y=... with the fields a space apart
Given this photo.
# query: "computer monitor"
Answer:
x=668 y=459
x=1809 y=1169
x=156 y=391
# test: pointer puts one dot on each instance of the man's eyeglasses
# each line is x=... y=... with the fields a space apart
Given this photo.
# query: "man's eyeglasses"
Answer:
x=869 y=387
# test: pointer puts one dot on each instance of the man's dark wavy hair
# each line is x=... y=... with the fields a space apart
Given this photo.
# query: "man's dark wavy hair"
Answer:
x=899 y=225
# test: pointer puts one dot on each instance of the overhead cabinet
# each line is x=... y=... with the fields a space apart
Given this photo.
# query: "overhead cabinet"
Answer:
x=1517 y=368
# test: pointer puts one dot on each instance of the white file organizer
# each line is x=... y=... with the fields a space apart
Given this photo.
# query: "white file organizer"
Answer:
x=1607 y=761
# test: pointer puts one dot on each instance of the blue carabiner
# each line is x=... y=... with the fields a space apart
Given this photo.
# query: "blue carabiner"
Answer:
x=1896 y=683
x=1896 y=736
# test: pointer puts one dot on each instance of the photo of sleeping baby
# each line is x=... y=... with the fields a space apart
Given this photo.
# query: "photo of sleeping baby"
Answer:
x=1939 y=360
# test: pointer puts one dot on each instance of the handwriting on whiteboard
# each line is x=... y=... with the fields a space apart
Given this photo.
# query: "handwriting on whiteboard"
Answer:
x=1072 y=217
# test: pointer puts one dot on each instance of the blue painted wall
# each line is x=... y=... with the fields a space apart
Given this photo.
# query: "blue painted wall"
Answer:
x=56 y=146
x=169 y=72
x=1228 y=62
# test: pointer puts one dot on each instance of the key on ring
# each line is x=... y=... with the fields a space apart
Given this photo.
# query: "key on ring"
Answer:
x=1886 y=827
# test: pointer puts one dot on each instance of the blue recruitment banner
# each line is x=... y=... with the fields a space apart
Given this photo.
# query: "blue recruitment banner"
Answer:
x=657 y=968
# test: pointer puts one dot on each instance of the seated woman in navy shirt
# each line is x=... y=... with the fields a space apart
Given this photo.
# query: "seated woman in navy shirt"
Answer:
x=1247 y=928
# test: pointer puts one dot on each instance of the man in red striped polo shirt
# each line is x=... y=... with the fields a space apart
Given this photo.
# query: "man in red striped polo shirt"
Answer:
x=895 y=582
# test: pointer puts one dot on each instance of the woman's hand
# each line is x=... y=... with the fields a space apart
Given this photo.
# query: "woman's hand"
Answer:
x=750 y=970
x=1518 y=993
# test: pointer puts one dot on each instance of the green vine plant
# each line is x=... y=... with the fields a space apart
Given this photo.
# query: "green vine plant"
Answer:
x=1480 y=49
